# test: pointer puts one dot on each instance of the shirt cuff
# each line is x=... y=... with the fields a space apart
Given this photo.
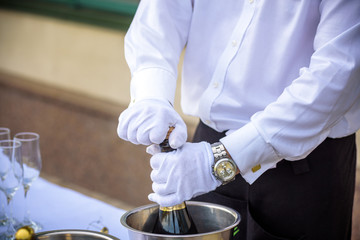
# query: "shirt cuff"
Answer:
x=253 y=156
x=153 y=83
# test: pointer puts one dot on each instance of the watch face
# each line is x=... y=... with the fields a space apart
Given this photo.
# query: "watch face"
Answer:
x=225 y=169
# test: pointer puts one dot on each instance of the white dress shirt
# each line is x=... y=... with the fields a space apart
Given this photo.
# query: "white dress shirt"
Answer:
x=280 y=76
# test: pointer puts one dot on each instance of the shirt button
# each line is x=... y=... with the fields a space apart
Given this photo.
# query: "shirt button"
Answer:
x=234 y=43
x=215 y=84
x=208 y=122
x=251 y=1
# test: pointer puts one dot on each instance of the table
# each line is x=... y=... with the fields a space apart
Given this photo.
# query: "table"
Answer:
x=57 y=207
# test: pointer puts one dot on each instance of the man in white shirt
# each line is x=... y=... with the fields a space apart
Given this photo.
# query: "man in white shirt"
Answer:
x=276 y=85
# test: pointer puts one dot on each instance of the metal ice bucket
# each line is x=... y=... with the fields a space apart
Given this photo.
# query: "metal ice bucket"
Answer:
x=72 y=235
x=213 y=222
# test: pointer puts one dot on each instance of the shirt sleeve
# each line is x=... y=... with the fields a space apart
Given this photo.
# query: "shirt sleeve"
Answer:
x=303 y=115
x=153 y=44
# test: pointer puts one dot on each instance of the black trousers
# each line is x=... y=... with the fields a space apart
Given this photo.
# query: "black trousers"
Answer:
x=307 y=199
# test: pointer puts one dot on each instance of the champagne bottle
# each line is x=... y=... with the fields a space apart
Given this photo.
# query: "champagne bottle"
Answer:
x=173 y=220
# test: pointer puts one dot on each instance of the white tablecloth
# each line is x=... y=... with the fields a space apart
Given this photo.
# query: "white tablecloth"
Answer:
x=56 y=207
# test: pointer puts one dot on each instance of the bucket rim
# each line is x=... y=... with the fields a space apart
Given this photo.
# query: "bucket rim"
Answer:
x=89 y=233
x=189 y=203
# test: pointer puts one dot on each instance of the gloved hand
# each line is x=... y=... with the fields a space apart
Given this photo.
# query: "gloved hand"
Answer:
x=181 y=174
x=147 y=122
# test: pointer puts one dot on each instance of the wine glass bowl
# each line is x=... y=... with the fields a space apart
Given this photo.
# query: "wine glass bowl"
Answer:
x=4 y=135
x=11 y=156
x=12 y=159
x=31 y=159
x=4 y=168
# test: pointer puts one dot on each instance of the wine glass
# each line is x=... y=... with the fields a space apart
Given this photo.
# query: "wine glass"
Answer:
x=11 y=158
x=98 y=226
x=4 y=135
x=31 y=158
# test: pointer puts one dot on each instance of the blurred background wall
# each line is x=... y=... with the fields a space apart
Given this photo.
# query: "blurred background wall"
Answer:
x=63 y=75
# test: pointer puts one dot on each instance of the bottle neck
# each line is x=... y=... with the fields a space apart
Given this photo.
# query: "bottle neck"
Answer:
x=165 y=147
x=173 y=208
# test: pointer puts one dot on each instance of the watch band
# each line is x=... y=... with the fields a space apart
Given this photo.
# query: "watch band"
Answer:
x=218 y=151
x=224 y=168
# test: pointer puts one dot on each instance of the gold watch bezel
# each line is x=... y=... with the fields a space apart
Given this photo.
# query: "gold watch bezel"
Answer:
x=225 y=170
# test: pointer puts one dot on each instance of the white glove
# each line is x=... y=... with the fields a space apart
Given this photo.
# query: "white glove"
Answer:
x=147 y=122
x=181 y=174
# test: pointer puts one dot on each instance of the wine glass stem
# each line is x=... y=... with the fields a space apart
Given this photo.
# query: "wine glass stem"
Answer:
x=27 y=212
x=10 y=229
x=26 y=189
x=3 y=216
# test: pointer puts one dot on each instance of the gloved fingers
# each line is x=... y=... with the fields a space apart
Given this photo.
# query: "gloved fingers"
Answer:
x=140 y=130
x=122 y=132
x=162 y=168
x=153 y=149
x=157 y=160
x=165 y=201
x=158 y=133
x=131 y=133
x=184 y=173
x=133 y=124
x=122 y=128
x=163 y=162
x=164 y=180
x=158 y=178
x=178 y=136
x=146 y=132
x=147 y=122
x=142 y=134
x=153 y=197
x=129 y=120
x=163 y=188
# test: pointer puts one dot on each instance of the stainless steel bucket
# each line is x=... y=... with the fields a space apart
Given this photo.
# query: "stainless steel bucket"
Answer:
x=213 y=222
x=73 y=235
x=66 y=235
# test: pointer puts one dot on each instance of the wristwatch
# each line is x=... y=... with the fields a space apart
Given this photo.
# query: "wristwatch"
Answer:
x=224 y=168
